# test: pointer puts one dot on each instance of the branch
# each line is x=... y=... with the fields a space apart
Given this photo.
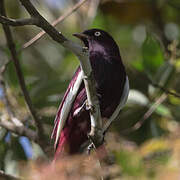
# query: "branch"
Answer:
x=42 y=22
x=164 y=89
x=96 y=134
x=159 y=101
x=20 y=130
x=17 y=22
x=15 y=125
x=153 y=107
x=54 y=23
x=7 y=176
x=20 y=76
x=34 y=21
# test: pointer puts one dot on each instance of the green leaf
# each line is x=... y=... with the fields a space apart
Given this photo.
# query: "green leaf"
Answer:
x=138 y=65
x=153 y=56
x=163 y=111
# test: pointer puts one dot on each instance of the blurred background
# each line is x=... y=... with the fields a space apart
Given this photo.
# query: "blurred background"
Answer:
x=148 y=34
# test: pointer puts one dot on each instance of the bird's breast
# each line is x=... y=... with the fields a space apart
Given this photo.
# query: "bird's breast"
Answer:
x=110 y=78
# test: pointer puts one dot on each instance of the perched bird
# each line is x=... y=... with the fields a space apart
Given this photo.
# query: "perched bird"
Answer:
x=72 y=122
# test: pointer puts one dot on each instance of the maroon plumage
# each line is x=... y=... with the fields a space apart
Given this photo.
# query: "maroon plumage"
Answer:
x=112 y=88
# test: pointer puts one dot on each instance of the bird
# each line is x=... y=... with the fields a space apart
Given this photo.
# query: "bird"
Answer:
x=72 y=121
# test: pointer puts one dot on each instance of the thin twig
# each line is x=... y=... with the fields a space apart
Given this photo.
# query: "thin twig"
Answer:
x=4 y=67
x=42 y=22
x=164 y=89
x=17 y=22
x=159 y=101
x=19 y=130
x=20 y=76
x=14 y=125
x=54 y=23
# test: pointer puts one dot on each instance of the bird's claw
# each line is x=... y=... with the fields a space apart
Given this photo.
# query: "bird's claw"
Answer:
x=89 y=148
x=89 y=107
x=85 y=49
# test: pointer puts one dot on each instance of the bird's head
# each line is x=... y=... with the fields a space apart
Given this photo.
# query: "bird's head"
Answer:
x=97 y=40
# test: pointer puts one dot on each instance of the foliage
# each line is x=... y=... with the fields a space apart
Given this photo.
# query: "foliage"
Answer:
x=148 y=35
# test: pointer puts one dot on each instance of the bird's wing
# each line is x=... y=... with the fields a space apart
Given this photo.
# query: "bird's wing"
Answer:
x=123 y=100
x=66 y=104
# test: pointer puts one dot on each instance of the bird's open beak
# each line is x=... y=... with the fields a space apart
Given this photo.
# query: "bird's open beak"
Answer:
x=81 y=36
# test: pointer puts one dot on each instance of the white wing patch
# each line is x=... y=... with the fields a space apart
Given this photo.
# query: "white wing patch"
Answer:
x=67 y=105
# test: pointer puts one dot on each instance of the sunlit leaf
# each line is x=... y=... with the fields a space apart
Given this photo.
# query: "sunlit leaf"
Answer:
x=174 y=100
x=163 y=110
x=154 y=145
x=177 y=64
x=156 y=151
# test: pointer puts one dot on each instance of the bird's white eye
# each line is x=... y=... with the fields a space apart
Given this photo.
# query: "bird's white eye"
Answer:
x=97 y=33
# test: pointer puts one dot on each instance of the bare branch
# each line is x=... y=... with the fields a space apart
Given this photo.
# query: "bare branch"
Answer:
x=14 y=125
x=164 y=89
x=20 y=76
x=43 y=23
x=17 y=22
x=3 y=68
x=135 y=127
x=7 y=176
x=54 y=23
x=96 y=133
x=19 y=130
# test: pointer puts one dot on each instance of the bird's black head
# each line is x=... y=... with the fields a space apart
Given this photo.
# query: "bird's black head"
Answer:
x=99 y=41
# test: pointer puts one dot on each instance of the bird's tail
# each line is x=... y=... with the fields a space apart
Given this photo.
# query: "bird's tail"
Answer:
x=62 y=149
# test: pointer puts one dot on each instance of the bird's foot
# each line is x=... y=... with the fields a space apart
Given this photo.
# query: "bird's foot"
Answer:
x=85 y=49
x=89 y=107
x=90 y=147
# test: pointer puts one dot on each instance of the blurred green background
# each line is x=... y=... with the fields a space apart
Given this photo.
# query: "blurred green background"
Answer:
x=148 y=34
